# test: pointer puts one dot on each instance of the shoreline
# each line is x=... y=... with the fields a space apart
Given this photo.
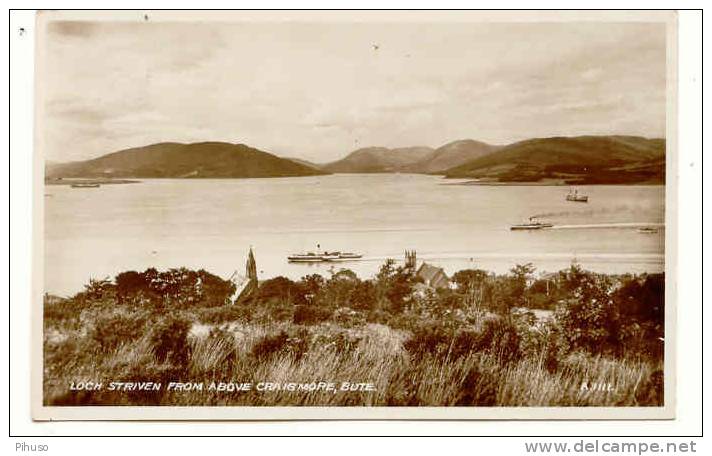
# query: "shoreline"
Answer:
x=556 y=183
x=98 y=181
x=462 y=181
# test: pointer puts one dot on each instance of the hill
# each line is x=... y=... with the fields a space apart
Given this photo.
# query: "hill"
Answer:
x=301 y=161
x=575 y=160
x=378 y=160
x=173 y=160
x=451 y=155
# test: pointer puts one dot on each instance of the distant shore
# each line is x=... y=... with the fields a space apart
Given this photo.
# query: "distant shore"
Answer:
x=98 y=181
x=541 y=183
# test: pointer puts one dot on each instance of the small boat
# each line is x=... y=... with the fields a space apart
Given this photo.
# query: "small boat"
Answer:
x=85 y=185
x=647 y=230
x=532 y=224
x=575 y=197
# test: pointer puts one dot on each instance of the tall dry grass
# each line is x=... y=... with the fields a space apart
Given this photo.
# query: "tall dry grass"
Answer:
x=371 y=354
x=600 y=347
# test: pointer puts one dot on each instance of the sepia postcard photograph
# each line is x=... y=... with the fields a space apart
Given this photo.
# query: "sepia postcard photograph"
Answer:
x=354 y=215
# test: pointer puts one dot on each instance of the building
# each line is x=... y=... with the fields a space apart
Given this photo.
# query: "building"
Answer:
x=433 y=276
x=410 y=260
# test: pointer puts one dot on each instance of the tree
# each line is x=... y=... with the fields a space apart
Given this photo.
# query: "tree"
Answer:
x=363 y=296
x=469 y=279
x=471 y=284
x=311 y=286
x=521 y=274
x=128 y=284
x=393 y=285
x=281 y=289
x=642 y=298
x=588 y=318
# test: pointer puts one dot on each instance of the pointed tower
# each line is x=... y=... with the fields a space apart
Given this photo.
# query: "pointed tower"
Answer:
x=249 y=285
x=251 y=267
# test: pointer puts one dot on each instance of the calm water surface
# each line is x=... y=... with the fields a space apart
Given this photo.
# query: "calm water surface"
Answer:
x=210 y=224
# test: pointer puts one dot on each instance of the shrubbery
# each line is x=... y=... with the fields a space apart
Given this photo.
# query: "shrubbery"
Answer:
x=310 y=314
x=111 y=330
x=483 y=329
x=588 y=318
x=282 y=343
x=173 y=289
x=169 y=339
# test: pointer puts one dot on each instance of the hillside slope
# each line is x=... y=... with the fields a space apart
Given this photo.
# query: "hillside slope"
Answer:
x=451 y=155
x=582 y=159
x=173 y=160
x=378 y=160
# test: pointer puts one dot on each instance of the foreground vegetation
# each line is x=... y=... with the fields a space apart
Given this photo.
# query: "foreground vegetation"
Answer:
x=569 y=339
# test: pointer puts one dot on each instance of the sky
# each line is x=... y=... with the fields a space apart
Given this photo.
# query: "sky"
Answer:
x=320 y=90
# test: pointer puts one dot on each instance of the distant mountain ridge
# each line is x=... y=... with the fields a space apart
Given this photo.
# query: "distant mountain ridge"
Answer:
x=579 y=159
x=572 y=160
x=378 y=160
x=451 y=155
x=178 y=160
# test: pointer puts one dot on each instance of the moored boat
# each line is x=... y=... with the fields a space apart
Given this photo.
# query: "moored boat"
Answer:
x=647 y=230
x=85 y=185
x=532 y=224
x=576 y=197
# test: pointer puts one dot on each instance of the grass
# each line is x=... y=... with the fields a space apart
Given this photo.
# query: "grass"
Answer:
x=372 y=354
x=598 y=347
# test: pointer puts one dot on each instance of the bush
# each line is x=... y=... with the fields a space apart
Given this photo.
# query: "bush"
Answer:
x=642 y=298
x=180 y=287
x=348 y=317
x=338 y=290
x=429 y=338
x=310 y=314
x=98 y=290
x=218 y=315
x=270 y=345
x=541 y=342
x=110 y=331
x=213 y=290
x=363 y=296
x=500 y=338
x=269 y=312
x=469 y=279
x=129 y=284
x=381 y=317
x=282 y=290
x=281 y=344
x=588 y=318
x=311 y=286
x=464 y=343
x=341 y=342
x=169 y=339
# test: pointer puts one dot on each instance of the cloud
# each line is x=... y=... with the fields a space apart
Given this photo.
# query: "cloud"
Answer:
x=316 y=89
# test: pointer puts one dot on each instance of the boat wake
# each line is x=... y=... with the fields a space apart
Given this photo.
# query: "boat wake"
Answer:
x=609 y=225
x=507 y=256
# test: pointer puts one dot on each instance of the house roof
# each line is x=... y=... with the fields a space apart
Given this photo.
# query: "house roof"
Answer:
x=428 y=272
